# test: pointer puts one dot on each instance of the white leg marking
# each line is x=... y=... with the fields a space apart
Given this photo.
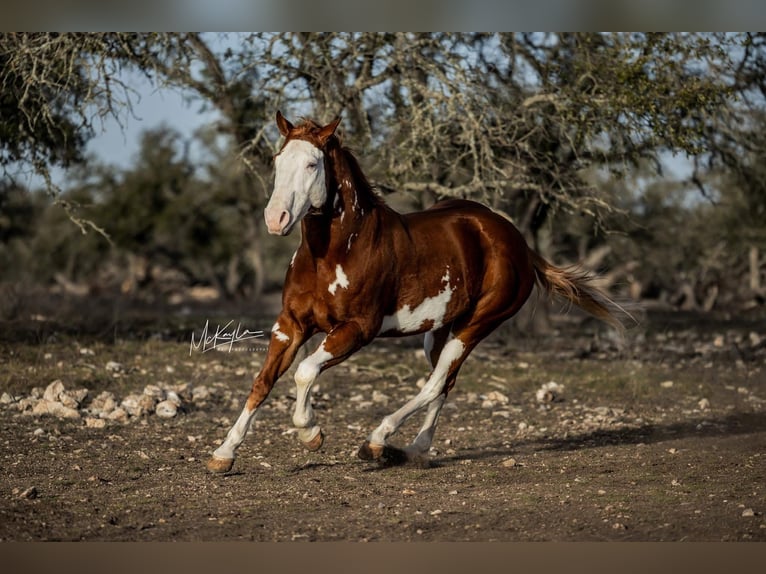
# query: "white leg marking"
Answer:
x=425 y=437
x=340 y=280
x=279 y=334
x=452 y=351
x=308 y=370
x=236 y=435
x=408 y=320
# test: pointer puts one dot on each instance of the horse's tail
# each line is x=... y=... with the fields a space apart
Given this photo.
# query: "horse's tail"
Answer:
x=575 y=286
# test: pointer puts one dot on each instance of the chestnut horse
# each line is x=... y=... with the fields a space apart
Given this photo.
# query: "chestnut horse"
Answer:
x=454 y=272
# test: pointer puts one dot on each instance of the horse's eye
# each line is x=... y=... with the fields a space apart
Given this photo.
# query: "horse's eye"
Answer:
x=312 y=166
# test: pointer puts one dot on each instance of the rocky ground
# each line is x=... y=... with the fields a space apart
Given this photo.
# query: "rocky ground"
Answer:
x=570 y=436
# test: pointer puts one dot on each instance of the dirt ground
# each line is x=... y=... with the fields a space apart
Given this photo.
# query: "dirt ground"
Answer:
x=660 y=439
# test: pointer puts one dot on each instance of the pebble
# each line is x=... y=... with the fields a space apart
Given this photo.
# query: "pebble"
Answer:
x=509 y=463
x=114 y=367
x=30 y=493
x=45 y=407
x=549 y=392
x=166 y=409
x=748 y=512
x=666 y=384
x=94 y=423
x=703 y=404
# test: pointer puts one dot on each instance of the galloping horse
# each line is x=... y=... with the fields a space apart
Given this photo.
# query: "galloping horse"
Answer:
x=455 y=272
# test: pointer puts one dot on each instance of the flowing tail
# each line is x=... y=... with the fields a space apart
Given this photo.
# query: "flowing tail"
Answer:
x=574 y=286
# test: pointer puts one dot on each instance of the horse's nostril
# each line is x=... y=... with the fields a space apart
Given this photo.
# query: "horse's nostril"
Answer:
x=284 y=218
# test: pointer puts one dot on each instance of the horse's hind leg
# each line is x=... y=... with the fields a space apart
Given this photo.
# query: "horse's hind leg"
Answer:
x=451 y=357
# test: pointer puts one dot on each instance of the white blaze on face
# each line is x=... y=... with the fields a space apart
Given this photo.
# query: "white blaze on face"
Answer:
x=299 y=184
x=408 y=320
x=340 y=280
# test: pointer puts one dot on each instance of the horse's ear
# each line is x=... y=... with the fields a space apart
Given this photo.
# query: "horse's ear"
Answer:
x=283 y=125
x=328 y=130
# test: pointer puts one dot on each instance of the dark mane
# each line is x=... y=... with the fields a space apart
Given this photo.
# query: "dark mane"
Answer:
x=367 y=195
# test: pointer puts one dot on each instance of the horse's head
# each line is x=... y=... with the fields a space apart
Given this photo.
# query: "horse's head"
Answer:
x=300 y=183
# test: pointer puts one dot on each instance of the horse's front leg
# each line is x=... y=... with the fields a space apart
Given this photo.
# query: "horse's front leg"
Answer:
x=286 y=338
x=337 y=346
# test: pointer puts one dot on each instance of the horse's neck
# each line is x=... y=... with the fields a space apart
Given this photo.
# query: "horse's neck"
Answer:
x=352 y=209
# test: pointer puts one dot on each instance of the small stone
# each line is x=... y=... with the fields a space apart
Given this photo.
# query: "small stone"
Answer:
x=183 y=390
x=509 y=463
x=421 y=382
x=703 y=404
x=435 y=512
x=119 y=414
x=549 y=392
x=38 y=432
x=174 y=398
x=718 y=341
x=497 y=397
x=6 y=399
x=755 y=339
x=666 y=384
x=132 y=405
x=748 y=512
x=94 y=423
x=381 y=398
x=30 y=493
x=114 y=367
x=104 y=403
x=155 y=392
x=56 y=409
x=53 y=391
x=202 y=393
x=166 y=409
x=86 y=351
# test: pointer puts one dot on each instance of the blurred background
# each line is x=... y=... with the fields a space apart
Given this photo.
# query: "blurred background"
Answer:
x=136 y=166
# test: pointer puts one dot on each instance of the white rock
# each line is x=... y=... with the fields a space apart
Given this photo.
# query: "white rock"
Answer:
x=748 y=512
x=378 y=397
x=549 y=392
x=56 y=409
x=53 y=391
x=173 y=397
x=166 y=409
x=132 y=405
x=498 y=397
x=119 y=414
x=6 y=399
x=183 y=390
x=703 y=404
x=104 y=403
x=200 y=393
x=114 y=366
x=155 y=392
x=73 y=399
x=94 y=423
x=666 y=384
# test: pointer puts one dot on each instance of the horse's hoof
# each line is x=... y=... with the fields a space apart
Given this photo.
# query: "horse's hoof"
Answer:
x=370 y=451
x=315 y=443
x=393 y=456
x=220 y=465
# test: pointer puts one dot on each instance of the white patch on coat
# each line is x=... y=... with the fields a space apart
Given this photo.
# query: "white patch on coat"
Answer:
x=279 y=334
x=408 y=320
x=340 y=280
x=292 y=259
